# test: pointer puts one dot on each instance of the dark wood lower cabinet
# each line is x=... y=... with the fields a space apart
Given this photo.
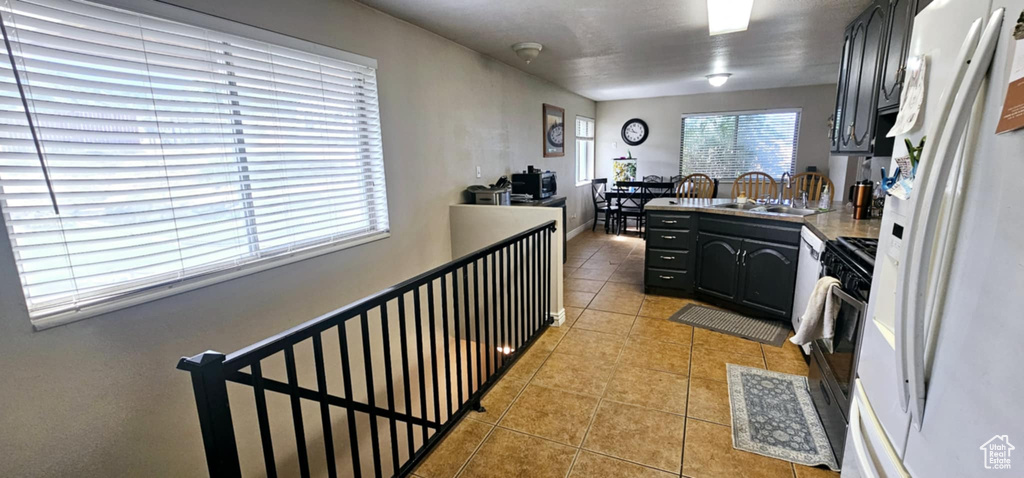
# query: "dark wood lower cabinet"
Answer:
x=745 y=264
x=718 y=265
x=768 y=277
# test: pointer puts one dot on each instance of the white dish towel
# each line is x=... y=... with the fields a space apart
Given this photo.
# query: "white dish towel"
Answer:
x=819 y=319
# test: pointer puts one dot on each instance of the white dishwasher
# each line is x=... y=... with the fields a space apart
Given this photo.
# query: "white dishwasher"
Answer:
x=808 y=270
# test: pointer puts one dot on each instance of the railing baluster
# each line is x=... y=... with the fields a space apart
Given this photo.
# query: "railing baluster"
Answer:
x=458 y=337
x=371 y=394
x=433 y=349
x=300 y=433
x=419 y=359
x=521 y=270
x=547 y=274
x=500 y=292
x=469 y=331
x=263 y=420
x=513 y=269
x=476 y=315
x=346 y=374
x=392 y=426
x=487 y=320
x=447 y=351
x=404 y=344
x=325 y=408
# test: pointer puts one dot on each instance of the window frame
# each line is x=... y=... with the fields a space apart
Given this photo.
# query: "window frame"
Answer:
x=591 y=152
x=148 y=294
x=796 y=132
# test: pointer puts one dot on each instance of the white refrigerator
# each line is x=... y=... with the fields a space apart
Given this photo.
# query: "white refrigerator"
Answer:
x=940 y=385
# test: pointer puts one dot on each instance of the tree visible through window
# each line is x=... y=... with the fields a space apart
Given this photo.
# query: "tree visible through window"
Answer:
x=727 y=145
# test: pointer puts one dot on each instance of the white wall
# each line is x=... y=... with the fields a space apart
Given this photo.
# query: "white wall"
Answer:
x=660 y=153
x=101 y=397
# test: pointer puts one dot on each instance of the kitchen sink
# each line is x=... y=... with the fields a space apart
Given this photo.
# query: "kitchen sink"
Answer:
x=763 y=208
x=735 y=205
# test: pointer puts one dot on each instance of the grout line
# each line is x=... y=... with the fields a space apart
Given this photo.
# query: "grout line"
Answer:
x=686 y=410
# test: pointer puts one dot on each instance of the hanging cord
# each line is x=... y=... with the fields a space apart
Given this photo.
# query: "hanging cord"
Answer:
x=28 y=115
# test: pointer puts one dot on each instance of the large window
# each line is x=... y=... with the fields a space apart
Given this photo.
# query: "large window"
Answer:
x=726 y=145
x=584 y=150
x=140 y=155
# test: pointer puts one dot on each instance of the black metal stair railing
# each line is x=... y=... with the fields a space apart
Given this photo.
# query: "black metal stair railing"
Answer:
x=471 y=319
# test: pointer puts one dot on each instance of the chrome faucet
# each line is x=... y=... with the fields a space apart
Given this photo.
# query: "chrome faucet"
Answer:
x=787 y=183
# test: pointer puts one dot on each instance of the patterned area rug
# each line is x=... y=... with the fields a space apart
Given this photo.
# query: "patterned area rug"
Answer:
x=772 y=415
x=771 y=332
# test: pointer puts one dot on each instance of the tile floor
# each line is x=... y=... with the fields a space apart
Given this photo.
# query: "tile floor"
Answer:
x=617 y=390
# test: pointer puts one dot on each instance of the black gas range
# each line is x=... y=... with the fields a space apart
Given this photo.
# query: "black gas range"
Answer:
x=834 y=366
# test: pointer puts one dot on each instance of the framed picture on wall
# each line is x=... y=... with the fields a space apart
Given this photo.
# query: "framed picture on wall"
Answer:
x=554 y=131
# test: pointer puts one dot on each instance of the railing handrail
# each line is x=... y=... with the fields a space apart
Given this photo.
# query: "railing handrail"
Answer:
x=276 y=343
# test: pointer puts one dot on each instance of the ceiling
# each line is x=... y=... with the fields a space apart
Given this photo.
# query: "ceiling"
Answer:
x=616 y=49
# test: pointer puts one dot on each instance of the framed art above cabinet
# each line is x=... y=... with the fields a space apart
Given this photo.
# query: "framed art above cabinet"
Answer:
x=554 y=131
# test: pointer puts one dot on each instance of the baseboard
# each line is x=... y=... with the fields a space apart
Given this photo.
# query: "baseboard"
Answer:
x=558 y=318
x=575 y=232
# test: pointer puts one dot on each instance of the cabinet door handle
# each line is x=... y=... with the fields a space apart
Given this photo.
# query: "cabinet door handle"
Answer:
x=744 y=257
x=668 y=221
x=668 y=237
x=737 y=256
x=667 y=277
x=668 y=258
x=853 y=129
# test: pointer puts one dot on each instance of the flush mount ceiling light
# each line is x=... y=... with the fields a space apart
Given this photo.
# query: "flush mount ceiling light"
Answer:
x=727 y=16
x=718 y=79
x=527 y=51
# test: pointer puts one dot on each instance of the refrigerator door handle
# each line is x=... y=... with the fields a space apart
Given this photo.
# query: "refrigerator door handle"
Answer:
x=916 y=286
x=924 y=171
x=867 y=466
x=860 y=408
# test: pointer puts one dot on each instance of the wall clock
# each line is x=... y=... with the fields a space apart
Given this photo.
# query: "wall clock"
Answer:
x=634 y=132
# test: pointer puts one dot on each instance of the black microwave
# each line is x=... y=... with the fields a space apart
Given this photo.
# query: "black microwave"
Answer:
x=539 y=184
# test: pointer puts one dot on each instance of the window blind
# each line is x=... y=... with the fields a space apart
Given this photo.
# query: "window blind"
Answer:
x=728 y=145
x=165 y=151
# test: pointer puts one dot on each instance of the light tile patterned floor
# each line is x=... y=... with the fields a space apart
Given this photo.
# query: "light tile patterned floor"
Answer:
x=616 y=391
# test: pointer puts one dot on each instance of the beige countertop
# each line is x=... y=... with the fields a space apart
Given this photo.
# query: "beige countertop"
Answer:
x=828 y=225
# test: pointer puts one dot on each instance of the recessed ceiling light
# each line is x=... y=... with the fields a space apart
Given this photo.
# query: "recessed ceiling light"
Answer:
x=727 y=16
x=718 y=79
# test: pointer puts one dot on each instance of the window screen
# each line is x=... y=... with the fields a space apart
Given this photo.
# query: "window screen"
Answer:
x=138 y=152
x=727 y=145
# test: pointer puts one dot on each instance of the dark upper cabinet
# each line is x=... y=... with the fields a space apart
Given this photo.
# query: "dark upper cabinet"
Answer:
x=871 y=72
x=897 y=44
x=837 y=118
x=858 y=104
x=718 y=265
x=768 y=276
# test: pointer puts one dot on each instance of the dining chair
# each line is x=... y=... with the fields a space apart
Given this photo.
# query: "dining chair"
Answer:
x=630 y=202
x=755 y=185
x=599 y=191
x=695 y=186
x=812 y=184
x=676 y=178
x=653 y=178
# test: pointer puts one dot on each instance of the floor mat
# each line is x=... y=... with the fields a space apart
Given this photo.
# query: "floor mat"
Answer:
x=772 y=415
x=770 y=332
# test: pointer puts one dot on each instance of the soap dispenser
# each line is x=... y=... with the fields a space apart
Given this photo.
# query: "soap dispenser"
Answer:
x=823 y=203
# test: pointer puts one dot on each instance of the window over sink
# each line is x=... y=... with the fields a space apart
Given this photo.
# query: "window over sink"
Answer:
x=147 y=152
x=726 y=145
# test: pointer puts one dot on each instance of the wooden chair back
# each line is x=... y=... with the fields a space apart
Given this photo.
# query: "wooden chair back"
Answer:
x=755 y=184
x=653 y=178
x=813 y=184
x=696 y=186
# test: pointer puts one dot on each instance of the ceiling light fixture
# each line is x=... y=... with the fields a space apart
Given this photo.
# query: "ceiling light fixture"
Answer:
x=727 y=16
x=527 y=51
x=718 y=79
